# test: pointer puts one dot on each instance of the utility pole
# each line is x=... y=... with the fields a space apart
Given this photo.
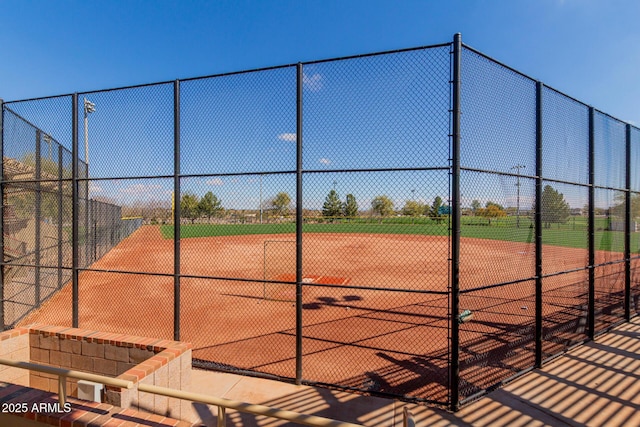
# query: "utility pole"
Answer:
x=517 y=168
x=260 y=199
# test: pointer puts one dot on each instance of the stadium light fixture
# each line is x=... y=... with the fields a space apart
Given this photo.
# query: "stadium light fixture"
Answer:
x=49 y=140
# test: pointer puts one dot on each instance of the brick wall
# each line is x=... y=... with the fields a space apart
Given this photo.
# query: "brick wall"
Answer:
x=158 y=362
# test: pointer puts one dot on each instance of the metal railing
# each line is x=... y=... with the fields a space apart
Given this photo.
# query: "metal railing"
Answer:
x=63 y=374
x=221 y=403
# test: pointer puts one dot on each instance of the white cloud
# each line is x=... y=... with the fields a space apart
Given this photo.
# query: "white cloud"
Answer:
x=291 y=137
x=325 y=161
x=313 y=82
x=215 y=182
x=138 y=189
x=95 y=188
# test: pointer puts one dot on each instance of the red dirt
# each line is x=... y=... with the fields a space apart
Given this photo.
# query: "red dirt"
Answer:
x=351 y=336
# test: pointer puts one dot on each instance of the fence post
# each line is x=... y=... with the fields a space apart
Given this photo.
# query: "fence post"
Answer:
x=176 y=210
x=299 y=88
x=74 y=211
x=2 y=207
x=38 y=218
x=591 y=227
x=454 y=376
x=60 y=217
x=538 y=225
x=627 y=229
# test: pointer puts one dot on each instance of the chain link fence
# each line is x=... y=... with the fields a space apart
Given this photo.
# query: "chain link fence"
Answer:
x=424 y=224
x=37 y=221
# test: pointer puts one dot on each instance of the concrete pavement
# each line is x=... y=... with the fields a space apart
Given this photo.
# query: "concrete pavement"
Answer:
x=597 y=384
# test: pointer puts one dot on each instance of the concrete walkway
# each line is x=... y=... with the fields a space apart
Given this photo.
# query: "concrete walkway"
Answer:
x=597 y=384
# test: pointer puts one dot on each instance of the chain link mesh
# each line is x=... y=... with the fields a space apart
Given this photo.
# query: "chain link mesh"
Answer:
x=609 y=211
x=36 y=203
x=497 y=259
x=372 y=250
x=377 y=112
x=499 y=341
x=498 y=118
x=239 y=124
x=609 y=152
x=565 y=129
x=634 y=298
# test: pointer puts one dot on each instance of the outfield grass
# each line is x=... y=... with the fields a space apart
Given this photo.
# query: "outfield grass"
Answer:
x=571 y=234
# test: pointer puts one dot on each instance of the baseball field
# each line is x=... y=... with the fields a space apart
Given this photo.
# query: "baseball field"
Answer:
x=375 y=305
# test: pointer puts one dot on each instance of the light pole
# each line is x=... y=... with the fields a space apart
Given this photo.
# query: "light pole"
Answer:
x=517 y=168
x=89 y=107
x=260 y=198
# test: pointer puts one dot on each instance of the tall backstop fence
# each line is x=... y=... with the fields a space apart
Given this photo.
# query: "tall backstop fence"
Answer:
x=426 y=223
x=37 y=214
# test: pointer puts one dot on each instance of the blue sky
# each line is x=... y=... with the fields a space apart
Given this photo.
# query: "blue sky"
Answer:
x=585 y=48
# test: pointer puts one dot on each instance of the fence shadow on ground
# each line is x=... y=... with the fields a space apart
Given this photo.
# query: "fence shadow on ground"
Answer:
x=503 y=352
x=596 y=384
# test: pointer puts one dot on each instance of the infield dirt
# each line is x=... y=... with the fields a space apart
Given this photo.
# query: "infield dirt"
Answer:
x=368 y=335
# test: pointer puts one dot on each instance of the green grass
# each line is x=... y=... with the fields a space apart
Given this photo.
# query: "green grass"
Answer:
x=212 y=230
x=570 y=234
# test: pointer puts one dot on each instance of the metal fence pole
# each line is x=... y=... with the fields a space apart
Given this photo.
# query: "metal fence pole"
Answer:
x=38 y=218
x=299 y=219
x=74 y=212
x=176 y=210
x=454 y=376
x=627 y=229
x=591 y=227
x=2 y=207
x=60 y=217
x=538 y=225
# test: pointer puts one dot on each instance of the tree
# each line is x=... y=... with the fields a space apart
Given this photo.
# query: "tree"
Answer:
x=210 y=205
x=189 y=206
x=382 y=205
x=494 y=211
x=413 y=208
x=281 y=204
x=619 y=209
x=351 y=206
x=491 y=210
x=332 y=206
x=435 y=208
x=22 y=203
x=48 y=166
x=494 y=206
x=554 y=208
x=475 y=205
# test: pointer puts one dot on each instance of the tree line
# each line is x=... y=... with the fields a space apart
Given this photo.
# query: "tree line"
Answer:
x=555 y=208
x=192 y=207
